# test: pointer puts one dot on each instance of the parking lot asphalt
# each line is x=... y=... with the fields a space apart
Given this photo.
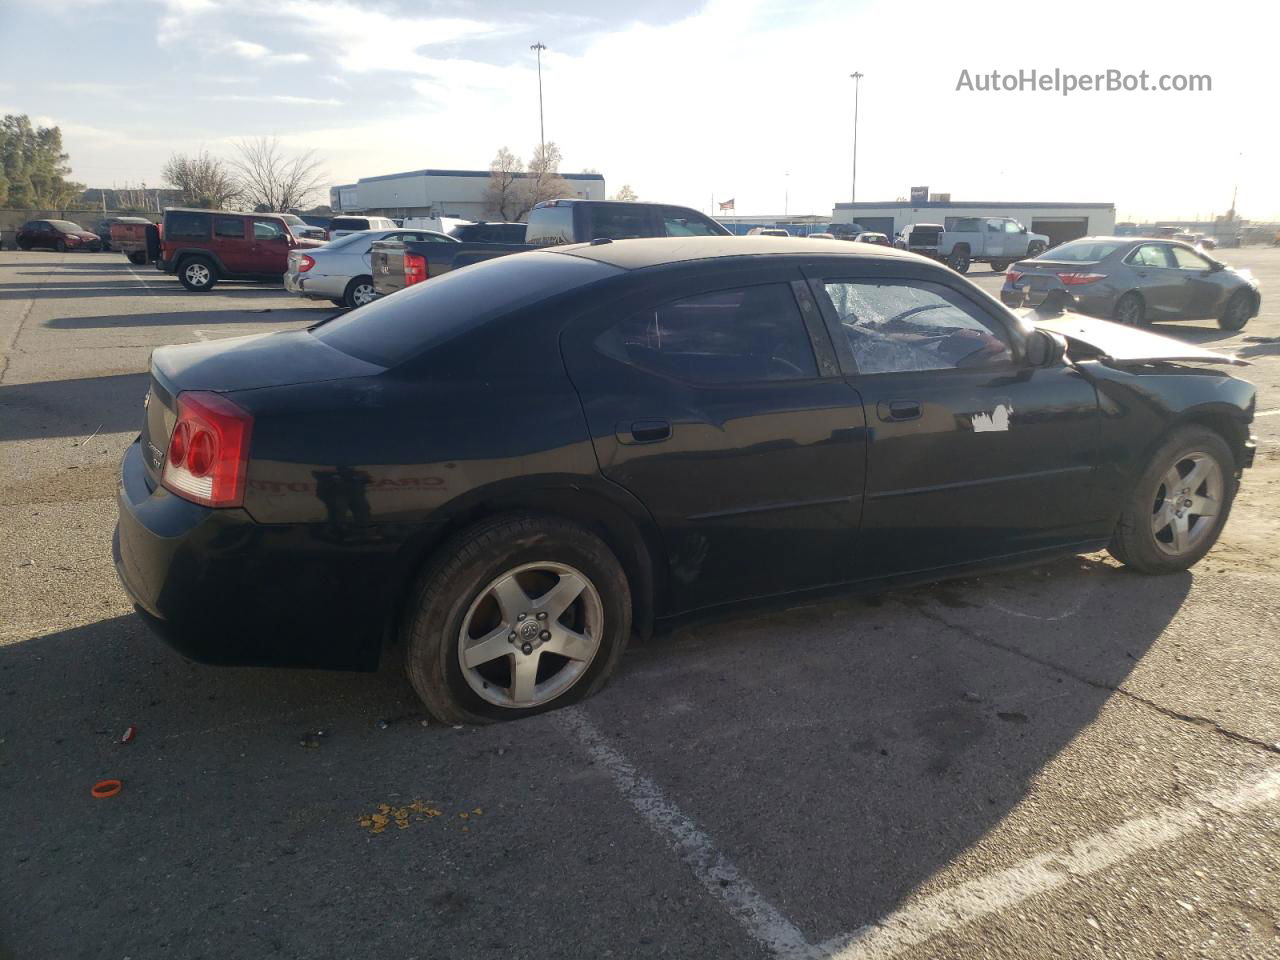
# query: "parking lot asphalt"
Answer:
x=1065 y=761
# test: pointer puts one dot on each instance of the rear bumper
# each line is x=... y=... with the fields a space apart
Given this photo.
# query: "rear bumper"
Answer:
x=223 y=589
x=318 y=287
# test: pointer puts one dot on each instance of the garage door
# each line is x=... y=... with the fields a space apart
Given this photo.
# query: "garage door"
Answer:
x=877 y=225
x=1061 y=229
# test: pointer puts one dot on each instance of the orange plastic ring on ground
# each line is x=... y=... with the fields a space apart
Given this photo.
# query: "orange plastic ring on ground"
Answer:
x=106 y=788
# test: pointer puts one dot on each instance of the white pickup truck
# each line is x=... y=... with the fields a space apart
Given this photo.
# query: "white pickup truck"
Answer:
x=998 y=241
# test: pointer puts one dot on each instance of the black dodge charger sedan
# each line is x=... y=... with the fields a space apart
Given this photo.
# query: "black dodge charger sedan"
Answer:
x=509 y=469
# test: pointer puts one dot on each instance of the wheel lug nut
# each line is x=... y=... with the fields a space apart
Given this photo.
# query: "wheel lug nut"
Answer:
x=542 y=616
x=521 y=616
x=511 y=638
x=544 y=635
x=526 y=648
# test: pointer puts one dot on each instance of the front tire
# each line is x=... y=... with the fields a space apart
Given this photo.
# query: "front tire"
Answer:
x=359 y=292
x=198 y=274
x=137 y=259
x=1035 y=249
x=959 y=260
x=522 y=614
x=1180 y=504
x=60 y=246
x=1236 y=313
x=1000 y=266
x=1130 y=310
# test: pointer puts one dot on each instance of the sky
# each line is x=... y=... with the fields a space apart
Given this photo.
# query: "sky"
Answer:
x=743 y=99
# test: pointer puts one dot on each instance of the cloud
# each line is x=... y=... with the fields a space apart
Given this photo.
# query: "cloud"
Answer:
x=284 y=98
x=257 y=52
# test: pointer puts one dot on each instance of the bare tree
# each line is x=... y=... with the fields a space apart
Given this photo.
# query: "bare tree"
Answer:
x=543 y=181
x=271 y=180
x=625 y=193
x=205 y=181
x=502 y=196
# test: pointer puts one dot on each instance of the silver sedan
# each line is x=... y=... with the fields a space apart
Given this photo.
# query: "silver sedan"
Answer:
x=340 y=270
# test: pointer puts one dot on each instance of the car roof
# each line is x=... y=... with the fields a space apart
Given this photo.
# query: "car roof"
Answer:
x=652 y=251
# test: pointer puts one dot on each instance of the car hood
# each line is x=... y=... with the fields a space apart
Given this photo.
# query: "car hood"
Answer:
x=1122 y=345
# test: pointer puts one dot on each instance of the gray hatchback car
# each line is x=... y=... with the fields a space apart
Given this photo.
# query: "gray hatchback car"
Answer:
x=1136 y=280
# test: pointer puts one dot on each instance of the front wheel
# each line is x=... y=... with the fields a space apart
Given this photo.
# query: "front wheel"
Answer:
x=1180 y=504
x=522 y=614
x=959 y=260
x=1000 y=266
x=359 y=292
x=1236 y=313
x=137 y=259
x=198 y=274
x=60 y=246
x=1035 y=249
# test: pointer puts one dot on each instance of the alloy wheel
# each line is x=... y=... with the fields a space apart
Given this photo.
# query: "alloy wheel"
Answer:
x=362 y=294
x=530 y=635
x=197 y=274
x=1187 y=503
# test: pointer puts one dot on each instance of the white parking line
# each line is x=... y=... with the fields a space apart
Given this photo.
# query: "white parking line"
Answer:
x=1267 y=413
x=931 y=916
x=942 y=912
x=714 y=871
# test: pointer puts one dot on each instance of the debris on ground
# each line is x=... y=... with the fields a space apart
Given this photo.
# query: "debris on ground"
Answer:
x=313 y=739
x=106 y=788
x=130 y=732
x=386 y=815
x=970 y=698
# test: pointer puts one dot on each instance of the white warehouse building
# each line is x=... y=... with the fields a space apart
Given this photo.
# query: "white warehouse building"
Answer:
x=1060 y=222
x=437 y=193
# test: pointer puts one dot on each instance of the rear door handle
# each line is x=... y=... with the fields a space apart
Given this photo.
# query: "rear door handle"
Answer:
x=644 y=431
x=898 y=409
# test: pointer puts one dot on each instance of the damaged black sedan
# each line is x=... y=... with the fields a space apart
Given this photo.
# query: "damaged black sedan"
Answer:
x=505 y=472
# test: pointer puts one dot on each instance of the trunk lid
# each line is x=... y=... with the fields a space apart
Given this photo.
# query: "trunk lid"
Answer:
x=226 y=366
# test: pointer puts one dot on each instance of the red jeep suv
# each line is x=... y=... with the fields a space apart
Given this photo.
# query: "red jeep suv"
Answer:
x=205 y=246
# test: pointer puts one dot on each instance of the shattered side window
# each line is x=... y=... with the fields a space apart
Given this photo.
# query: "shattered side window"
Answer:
x=897 y=326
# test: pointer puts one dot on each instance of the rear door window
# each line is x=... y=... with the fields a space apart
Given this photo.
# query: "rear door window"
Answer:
x=741 y=335
x=1151 y=255
x=267 y=229
x=229 y=227
x=187 y=226
x=620 y=222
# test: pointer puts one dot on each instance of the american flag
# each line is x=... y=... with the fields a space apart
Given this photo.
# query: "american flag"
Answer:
x=727 y=205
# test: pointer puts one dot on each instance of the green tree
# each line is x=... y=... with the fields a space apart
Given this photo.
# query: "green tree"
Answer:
x=33 y=166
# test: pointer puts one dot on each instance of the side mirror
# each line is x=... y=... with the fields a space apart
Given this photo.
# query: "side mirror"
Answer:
x=1045 y=349
x=1216 y=265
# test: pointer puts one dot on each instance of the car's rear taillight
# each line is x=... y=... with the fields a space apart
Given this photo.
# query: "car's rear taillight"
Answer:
x=1080 y=279
x=208 y=450
x=305 y=263
x=415 y=268
x=1012 y=276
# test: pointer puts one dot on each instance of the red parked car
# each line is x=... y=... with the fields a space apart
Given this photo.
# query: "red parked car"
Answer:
x=205 y=246
x=60 y=235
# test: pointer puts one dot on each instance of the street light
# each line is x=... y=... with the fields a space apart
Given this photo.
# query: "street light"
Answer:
x=542 y=135
x=857 y=83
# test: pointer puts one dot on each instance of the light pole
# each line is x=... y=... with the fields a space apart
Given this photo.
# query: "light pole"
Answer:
x=542 y=134
x=857 y=84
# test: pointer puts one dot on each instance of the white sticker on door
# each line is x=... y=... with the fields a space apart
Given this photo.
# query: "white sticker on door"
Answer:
x=997 y=419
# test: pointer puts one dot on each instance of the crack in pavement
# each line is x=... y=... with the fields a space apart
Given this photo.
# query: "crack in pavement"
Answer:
x=1204 y=723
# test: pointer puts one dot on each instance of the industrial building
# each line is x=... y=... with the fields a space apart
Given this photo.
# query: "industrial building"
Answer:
x=438 y=193
x=1058 y=221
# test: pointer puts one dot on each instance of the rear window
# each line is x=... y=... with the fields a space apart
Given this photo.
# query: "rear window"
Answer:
x=187 y=226
x=1083 y=251
x=349 y=223
x=550 y=225
x=392 y=330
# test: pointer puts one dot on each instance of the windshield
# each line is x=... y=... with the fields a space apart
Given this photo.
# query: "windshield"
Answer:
x=394 y=329
x=1083 y=251
x=67 y=225
x=347 y=239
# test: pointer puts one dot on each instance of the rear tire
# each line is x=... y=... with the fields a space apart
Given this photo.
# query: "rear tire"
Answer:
x=959 y=260
x=1000 y=266
x=197 y=274
x=1236 y=313
x=1143 y=539
x=1131 y=310
x=137 y=259
x=359 y=292
x=60 y=246
x=466 y=600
